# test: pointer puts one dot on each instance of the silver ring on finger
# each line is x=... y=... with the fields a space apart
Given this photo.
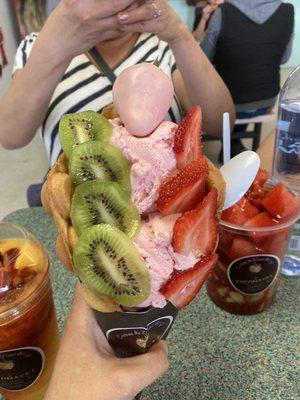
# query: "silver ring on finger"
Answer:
x=157 y=11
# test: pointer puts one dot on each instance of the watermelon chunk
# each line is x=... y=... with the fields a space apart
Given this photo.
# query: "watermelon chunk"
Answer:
x=280 y=203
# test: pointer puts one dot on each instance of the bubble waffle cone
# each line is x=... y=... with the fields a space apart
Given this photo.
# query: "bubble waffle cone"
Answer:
x=109 y=112
x=215 y=179
x=57 y=193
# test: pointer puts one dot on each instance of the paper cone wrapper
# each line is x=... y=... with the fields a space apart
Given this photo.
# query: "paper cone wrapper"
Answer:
x=133 y=333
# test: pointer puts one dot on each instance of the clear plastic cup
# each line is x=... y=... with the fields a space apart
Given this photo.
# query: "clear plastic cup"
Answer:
x=247 y=274
x=29 y=337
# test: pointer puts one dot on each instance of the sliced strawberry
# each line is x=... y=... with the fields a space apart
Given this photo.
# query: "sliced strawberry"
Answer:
x=280 y=203
x=183 y=286
x=187 y=142
x=261 y=178
x=185 y=190
x=196 y=231
x=242 y=247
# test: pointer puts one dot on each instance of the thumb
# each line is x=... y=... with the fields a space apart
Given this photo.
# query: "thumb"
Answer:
x=150 y=366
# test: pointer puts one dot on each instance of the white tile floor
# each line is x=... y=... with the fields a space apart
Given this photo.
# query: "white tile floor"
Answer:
x=20 y=168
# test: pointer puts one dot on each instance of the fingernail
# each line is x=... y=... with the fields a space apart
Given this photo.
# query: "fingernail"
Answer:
x=123 y=17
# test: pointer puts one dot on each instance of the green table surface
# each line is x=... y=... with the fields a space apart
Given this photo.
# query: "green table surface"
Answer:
x=213 y=355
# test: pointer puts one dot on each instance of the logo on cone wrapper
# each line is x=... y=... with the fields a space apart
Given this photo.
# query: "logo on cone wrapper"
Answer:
x=134 y=332
x=253 y=274
x=142 y=337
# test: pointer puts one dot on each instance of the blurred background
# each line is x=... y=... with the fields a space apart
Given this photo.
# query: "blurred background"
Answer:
x=28 y=165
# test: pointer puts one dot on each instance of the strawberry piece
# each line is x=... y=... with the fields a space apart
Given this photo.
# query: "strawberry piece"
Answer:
x=263 y=219
x=242 y=247
x=280 y=203
x=196 y=231
x=187 y=142
x=240 y=212
x=183 y=286
x=261 y=178
x=185 y=190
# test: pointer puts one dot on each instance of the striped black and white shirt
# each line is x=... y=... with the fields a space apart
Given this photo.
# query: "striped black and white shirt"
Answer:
x=84 y=87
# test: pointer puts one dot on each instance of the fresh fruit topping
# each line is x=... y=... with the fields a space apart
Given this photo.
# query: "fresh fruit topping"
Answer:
x=187 y=143
x=96 y=202
x=11 y=276
x=82 y=127
x=183 y=191
x=280 y=203
x=240 y=212
x=261 y=178
x=96 y=160
x=108 y=263
x=196 y=232
x=183 y=286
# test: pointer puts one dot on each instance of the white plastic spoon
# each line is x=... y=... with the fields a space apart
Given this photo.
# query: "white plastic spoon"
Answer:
x=239 y=173
x=226 y=138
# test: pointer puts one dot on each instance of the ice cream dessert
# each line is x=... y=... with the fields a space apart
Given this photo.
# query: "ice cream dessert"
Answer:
x=138 y=218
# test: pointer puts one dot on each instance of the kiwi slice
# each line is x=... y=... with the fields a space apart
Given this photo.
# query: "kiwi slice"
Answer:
x=96 y=160
x=96 y=202
x=82 y=127
x=107 y=262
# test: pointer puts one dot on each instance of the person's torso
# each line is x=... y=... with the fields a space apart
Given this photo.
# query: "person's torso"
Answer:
x=85 y=87
x=248 y=54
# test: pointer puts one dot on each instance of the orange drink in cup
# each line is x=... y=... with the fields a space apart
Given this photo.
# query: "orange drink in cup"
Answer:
x=29 y=336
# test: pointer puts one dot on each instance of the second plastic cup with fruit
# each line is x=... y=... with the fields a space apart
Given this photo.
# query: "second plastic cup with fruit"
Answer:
x=253 y=239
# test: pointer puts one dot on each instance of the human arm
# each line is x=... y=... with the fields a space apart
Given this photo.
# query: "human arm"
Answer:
x=73 y=28
x=196 y=81
x=265 y=152
x=199 y=32
x=211 y=37
x=288 y=50
x=86 y=368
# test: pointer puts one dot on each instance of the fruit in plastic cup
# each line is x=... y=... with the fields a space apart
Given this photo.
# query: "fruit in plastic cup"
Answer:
x=29 y=337
x=247 y=274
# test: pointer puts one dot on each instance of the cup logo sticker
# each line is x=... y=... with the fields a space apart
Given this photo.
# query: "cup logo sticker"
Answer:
x=138 y=337
x=253 y=274
x=20 y=368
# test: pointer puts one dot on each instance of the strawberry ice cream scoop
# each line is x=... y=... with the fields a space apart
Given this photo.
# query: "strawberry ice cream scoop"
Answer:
x=142 y=96
x=151 y=158
x=154 y=244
